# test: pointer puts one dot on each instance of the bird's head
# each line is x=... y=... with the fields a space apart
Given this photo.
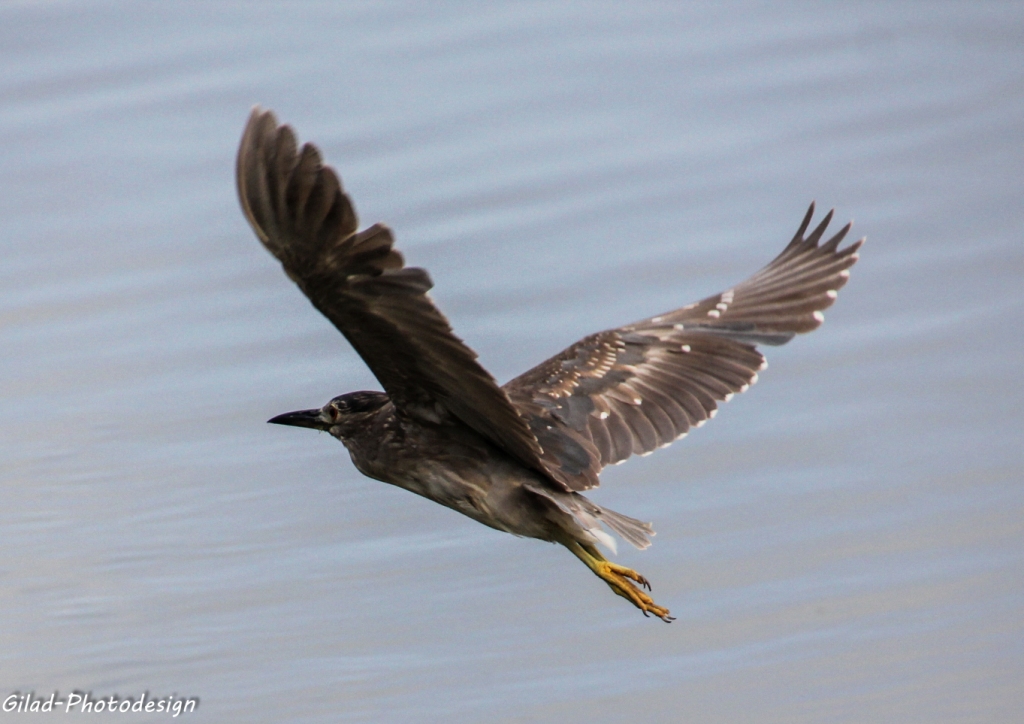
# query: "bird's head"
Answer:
x=337 y=415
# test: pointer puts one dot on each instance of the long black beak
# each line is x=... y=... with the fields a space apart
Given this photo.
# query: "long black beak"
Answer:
x=301 y=418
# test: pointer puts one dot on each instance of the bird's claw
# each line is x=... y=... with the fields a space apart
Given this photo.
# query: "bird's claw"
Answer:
x=619 y=580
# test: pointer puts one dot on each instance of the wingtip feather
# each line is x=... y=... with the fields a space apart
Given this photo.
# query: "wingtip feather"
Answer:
x=799 y=235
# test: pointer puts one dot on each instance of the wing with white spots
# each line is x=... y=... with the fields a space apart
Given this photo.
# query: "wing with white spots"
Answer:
x=637 y=388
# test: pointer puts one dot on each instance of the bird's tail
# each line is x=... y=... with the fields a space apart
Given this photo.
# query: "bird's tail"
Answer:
x=590 y=516
x=634 y=531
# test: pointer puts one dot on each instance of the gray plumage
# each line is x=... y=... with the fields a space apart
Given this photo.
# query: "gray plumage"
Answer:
x=516 y=457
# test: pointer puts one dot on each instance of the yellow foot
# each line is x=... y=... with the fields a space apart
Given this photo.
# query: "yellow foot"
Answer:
x=619 y=580
x=625 y=573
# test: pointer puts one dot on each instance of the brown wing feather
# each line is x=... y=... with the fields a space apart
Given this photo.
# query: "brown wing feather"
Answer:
x=299 y=211
x=631 y=390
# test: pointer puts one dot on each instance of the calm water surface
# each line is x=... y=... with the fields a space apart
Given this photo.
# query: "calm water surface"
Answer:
x=845 y=543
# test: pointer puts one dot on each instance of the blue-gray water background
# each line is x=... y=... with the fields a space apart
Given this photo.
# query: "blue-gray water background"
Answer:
x=844 y=543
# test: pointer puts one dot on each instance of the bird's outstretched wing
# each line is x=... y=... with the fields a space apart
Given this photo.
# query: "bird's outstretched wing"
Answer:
x=299 y=211
x=637 y=388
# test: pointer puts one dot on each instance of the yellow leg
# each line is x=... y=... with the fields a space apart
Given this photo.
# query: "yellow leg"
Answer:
x=618 y=579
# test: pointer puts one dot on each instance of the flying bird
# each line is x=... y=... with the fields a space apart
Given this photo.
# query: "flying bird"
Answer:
x=516 y=457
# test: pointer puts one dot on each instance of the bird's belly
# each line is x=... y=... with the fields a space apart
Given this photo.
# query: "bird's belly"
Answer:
x=488 y=491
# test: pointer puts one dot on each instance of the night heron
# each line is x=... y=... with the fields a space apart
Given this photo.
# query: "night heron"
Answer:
x=515 y=457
